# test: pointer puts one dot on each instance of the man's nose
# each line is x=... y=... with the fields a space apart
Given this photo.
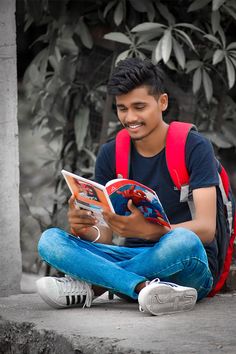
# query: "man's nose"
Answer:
x=130 y=116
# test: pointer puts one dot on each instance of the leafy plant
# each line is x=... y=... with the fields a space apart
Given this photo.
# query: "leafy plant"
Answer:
x=193 y=40
x=198 y=50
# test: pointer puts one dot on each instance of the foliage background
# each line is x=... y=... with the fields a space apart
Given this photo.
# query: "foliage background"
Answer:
x=67 y=50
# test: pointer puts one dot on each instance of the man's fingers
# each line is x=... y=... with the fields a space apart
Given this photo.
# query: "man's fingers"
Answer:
x=131 y=206
x=71 y=202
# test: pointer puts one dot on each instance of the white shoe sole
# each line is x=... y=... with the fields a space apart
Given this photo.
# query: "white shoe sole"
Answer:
x=162 y=299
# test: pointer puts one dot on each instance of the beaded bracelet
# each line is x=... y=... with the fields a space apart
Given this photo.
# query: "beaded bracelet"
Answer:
x=99 y=234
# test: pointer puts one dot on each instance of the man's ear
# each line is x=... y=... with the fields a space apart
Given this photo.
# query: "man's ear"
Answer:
x=163 y=100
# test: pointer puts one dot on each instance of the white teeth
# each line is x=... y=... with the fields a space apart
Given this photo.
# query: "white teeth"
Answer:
x=134 y=126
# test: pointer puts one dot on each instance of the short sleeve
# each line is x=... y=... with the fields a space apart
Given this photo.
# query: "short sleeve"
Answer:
x=105 y=163
x=201 y=162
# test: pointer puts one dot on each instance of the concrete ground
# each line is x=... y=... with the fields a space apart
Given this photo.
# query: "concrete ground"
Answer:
x=28 y=325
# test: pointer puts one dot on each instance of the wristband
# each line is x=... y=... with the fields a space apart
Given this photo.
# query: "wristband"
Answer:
x=98 y=235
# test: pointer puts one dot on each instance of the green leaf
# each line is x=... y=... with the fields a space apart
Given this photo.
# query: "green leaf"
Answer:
x=166 y=47
x=192 y=65
x=198 y=4
x=164 y=11
x=218 y=56
x=90 y=154
x=215 y=21
x=140 y=55
x=179 y=53
x=185 y=38
x=35 y=76
x=216 y=4
x=122 y=56
x=150 y=46
x=197 y=80
x=147 y=26
x=28 y=23
x=35 y=9
x=53 y=62
x=118 y=37
x=84 y=33
x=158 y=51
x=170 y=64
x=233 y=59
x=212 y=39
x=147 y=37
x=231 y=12
x=189 y=25
x=67 y=45
x=230 y=72
x=138 y=5
x=207 y=84
x=40 y=213
x=119 y=14
x=229 y=130
x=150 y=11
x=67 y=69
x=218 y=139
x=109 y=7
x=81 y=124
x=222 y=36
x=231 y=46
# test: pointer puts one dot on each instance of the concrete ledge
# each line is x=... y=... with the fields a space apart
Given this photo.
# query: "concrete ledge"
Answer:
x=30 y=326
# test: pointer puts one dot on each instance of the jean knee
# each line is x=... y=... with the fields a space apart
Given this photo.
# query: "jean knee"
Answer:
x=48 y=240
x=187 y=240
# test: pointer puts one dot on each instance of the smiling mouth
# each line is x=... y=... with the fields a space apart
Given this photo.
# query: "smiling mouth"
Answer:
x=133 y=126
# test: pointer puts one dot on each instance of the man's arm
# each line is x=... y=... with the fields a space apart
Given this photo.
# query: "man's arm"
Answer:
x=204 y=222
x=135 y=225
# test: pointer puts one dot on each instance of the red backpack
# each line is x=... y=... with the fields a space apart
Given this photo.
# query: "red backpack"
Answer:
x=175 y=159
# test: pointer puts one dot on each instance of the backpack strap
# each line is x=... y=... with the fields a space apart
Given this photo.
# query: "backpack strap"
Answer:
x=175 y=152
x=123 y=144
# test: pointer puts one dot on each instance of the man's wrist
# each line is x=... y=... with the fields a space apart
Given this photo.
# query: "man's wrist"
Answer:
x=98 y=234
x=91 y=233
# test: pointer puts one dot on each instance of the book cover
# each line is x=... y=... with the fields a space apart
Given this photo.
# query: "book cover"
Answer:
x=89 y=195
x=114 y=196
x=143 y=197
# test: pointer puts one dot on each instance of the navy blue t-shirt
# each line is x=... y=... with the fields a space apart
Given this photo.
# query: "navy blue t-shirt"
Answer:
x=153 y=172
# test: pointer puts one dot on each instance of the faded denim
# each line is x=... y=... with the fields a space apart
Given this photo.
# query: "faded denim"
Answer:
x=178 y=257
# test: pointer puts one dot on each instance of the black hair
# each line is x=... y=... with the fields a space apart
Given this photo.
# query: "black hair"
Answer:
x=132 y=73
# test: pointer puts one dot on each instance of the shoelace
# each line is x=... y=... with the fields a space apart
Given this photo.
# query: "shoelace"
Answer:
x=70 y=286
x=157 y=280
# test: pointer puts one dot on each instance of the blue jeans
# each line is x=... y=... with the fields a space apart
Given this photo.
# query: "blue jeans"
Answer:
x=178 y=257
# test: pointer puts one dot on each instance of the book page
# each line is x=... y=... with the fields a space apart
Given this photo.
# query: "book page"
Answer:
x=89 y=195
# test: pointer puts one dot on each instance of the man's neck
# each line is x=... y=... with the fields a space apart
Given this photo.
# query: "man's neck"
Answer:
x=153 y=143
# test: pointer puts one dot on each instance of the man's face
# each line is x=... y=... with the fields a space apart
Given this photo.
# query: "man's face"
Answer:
x=139 y=112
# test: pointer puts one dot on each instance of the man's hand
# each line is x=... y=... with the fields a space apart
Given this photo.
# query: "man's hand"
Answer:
x=134 y=225
x=79 y=220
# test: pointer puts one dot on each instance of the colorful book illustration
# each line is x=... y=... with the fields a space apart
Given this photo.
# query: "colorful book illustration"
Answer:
x=114 y=196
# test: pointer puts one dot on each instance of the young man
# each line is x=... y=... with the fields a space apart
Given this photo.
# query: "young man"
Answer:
x=165 y=270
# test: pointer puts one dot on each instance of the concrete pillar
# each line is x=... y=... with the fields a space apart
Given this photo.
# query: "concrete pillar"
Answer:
x=10 y=255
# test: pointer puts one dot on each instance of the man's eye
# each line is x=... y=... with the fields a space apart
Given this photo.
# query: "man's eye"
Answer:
x=140 y=107
x=122 y=109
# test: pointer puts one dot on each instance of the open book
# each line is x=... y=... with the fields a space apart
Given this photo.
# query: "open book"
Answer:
x=114 y=196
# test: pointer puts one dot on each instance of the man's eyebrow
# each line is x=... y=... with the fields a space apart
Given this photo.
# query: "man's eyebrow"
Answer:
x=120 y=105
x=132 y=104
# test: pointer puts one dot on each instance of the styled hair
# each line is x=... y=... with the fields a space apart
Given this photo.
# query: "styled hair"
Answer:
x=132 y=73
